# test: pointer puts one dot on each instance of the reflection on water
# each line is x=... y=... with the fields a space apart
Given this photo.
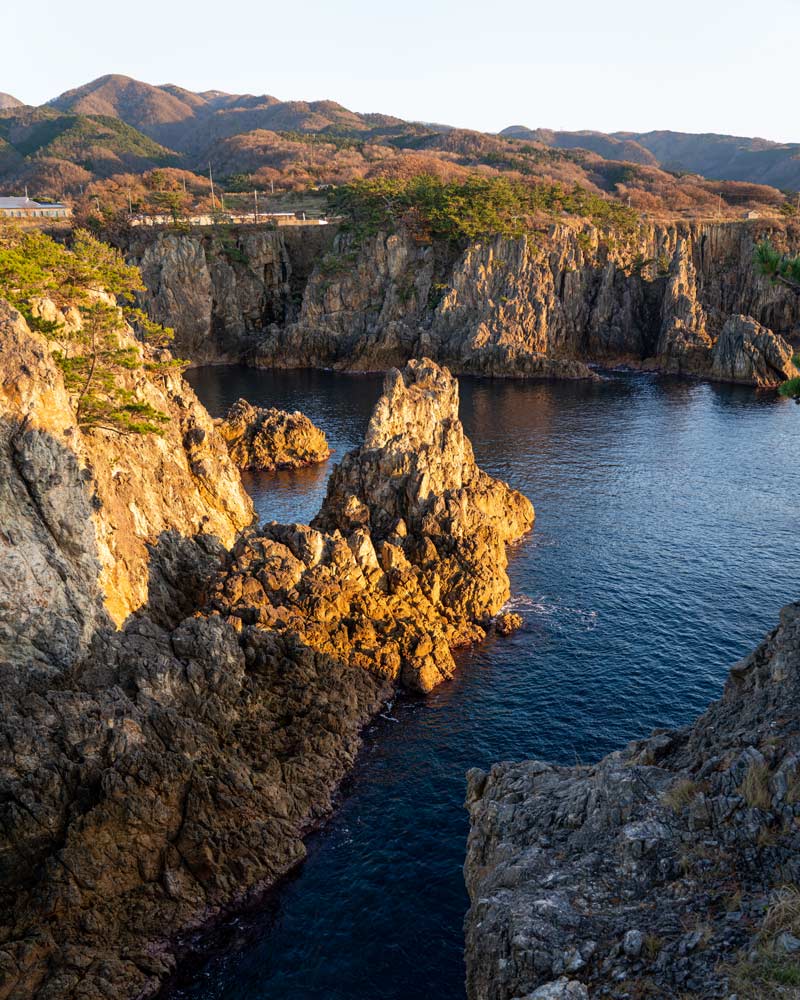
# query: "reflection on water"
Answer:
x=665 y=543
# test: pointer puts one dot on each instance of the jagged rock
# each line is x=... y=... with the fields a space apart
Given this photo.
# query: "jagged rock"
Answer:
x=683 y=343
x=560 y=989
x=408 y=556
x=269 y=439
x=654 y=836
x=81 y=510
x=221 y=293
x=750 y=353
x=153 y=775
x=508 y=622
x=539 y=306
x=415 y=485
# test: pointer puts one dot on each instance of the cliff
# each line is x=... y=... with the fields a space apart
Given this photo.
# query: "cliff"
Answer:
x=668 y=869
x=542 y=305
x=81 y=512
x=153 y=775
x=221 y=292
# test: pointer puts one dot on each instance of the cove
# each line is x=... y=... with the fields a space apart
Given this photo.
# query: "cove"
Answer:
x=665 y=543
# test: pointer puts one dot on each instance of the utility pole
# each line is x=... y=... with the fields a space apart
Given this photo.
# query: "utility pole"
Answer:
x=255 y=203
x=211 y=179
x=719 y=209
x=272 y=188
x=130 y=203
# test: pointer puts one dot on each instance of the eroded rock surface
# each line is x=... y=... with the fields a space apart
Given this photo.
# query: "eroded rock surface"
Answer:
x=153 y=775
x=747 y=352
x=269 y=439
x=643 y=875
x=406 y=558
x=81 y=512
x=543 y=305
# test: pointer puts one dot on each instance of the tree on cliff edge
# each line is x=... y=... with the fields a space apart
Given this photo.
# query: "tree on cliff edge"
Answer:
x=780 y=268
x=96 y=358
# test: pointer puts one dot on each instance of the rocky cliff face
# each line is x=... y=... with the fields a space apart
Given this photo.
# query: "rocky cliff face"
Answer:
x=407 y=556
x=269 y=439
x=83 y=511
x=542 y=305
x=152 y=775
x=222 y=292
x=656 y=872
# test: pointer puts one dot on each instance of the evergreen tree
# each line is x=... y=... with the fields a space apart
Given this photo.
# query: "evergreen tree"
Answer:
x=92 y=278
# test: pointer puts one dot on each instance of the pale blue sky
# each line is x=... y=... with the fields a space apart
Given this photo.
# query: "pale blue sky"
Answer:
x=689 y=65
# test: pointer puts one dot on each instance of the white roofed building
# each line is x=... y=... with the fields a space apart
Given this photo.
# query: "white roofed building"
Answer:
x=26 y=208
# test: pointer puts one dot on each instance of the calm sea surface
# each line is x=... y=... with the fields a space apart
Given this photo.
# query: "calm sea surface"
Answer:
x=665 y=544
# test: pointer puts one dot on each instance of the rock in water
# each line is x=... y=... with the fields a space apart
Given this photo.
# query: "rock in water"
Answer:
x=415 y=485
x=407 y=557
x=649 y=873
x=748 y=352
x=269 y=439
x=152 y=775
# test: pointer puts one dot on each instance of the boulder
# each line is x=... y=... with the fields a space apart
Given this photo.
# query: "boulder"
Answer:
x=268 y=439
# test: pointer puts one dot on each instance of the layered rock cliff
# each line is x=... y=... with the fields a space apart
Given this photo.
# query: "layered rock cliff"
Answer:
x=152 y=775
x=669 y=869
x=221 y=292
x=541 y=305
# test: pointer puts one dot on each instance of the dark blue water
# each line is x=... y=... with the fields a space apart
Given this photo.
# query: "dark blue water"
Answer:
x=665 y=544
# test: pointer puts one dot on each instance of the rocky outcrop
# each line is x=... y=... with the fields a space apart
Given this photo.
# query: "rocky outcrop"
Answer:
x=653 y=872
x=221 y=292
x=270 y=439
x=82 y=511
x=407 y=556
x=543 y=305
x=747 y=352
x=155 y=774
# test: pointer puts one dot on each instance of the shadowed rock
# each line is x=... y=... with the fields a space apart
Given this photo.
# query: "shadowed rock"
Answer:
x=154 y=775
x=648 y=873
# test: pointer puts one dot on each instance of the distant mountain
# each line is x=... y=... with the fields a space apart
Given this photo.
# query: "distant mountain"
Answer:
x=7 y=101
x=722 y=157
x=191 y=122
x=100 y=142
x=42 y=146
x=141 y=105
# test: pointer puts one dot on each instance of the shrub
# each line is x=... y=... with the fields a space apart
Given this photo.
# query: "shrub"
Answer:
x=477 y=207
x=681 y=794
x=755 y=788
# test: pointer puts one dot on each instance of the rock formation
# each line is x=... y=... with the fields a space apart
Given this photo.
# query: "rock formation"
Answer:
x=655 y=872
x=270 y=439
x=406 y=558
x=81 y=512
x=152 y=775
x=543 y=305
x=748 y=352
x=222 y=292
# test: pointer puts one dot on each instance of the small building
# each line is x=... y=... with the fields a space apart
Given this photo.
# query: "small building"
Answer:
x=752 y=214
x=26 y=208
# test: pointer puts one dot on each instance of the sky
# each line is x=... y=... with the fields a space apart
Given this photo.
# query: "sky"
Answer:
x=687 y=65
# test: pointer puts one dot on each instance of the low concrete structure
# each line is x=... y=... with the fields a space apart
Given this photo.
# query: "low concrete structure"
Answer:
x=228 y=218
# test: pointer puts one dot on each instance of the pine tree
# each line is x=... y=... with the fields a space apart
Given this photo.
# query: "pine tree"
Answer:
x=94 y=355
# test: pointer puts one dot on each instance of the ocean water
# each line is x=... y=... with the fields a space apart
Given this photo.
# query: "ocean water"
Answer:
x=665 y=544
